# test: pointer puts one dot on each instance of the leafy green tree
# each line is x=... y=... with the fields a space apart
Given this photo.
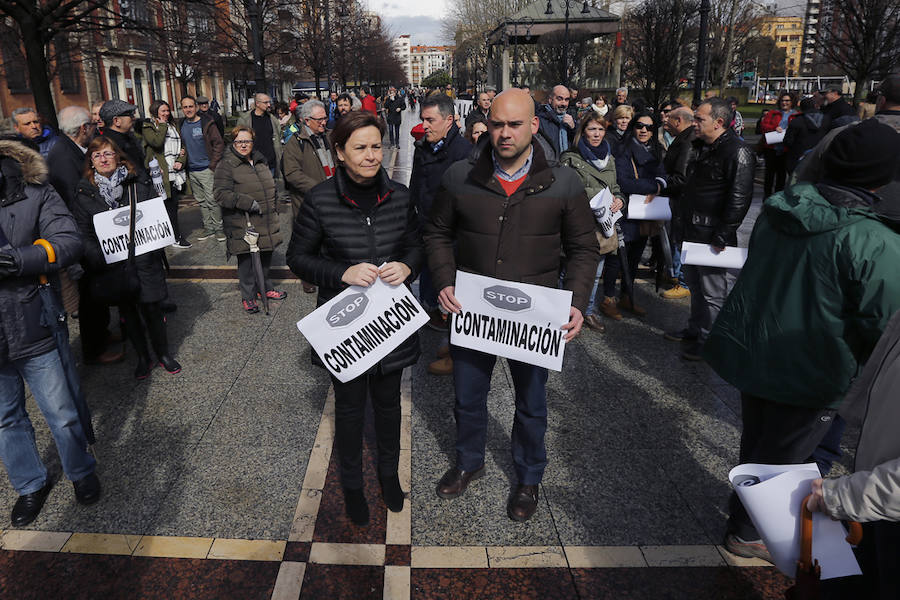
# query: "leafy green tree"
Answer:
x=437 y=79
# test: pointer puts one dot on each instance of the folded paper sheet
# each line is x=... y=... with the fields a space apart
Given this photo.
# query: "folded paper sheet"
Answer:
x=703 y=255
x=656 y=210
x=601 y=204
x=773 y=495
x=774 y=137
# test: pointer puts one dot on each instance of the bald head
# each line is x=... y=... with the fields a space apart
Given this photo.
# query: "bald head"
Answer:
x=680 y=118
x=511 y=126
x=559 y=99
x=517 y=100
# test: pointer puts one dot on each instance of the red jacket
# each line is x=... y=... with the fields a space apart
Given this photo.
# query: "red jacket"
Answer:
x=772 y=120
x=368 y=103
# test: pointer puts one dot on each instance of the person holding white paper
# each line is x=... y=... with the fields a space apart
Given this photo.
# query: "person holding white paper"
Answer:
x=110 y=182
x=347 y=226
x=595 y=164
x=818 y=288
x=639 y=170
x=777 y=120
x=506 y=214
x=715 y=200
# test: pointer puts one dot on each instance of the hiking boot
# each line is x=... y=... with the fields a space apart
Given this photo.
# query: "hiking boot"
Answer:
x=594 y=322
x=250 y=306
x=276 y=295
x=747 y=548
x=609 y=309
x=676 y=293
x=220 y=237
x=626 y=303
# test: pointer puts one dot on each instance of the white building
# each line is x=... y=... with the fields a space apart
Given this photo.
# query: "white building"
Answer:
x=401 y=51
x=425 y=60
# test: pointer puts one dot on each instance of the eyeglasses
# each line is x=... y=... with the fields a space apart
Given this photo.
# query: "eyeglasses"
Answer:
x=242 y=142
x=638 y=126
x=99 y=155
x=319 y=119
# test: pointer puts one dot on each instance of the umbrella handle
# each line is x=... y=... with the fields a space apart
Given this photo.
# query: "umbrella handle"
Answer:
x=51 y=256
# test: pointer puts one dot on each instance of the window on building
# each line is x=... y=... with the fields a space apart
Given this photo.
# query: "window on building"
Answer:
x=157 y=84
x=13 y=64
x=114 y=83
x=135 y=10
x=139 y=90
x=69 y=82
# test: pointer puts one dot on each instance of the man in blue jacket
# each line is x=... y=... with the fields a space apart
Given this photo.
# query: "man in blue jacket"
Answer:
x=27 y=125
x=28 y=352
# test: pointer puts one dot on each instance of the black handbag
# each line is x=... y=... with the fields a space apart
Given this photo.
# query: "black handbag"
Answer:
x=119 y=283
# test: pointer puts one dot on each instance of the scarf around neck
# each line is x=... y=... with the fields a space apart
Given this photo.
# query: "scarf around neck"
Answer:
x=111 y=187
x=323 y=153
x=599 y=157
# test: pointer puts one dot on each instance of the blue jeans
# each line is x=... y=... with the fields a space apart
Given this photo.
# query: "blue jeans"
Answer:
x=592 y=301
x=676 y=265
x=472 y=380
x=44 y=375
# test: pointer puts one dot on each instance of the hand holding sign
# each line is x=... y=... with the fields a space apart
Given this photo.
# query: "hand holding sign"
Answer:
x=448 y=300
x=363 y=274
x=394 y=273
x=576 y=320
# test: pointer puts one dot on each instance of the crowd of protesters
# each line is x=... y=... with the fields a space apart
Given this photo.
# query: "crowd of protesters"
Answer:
x=791 y=331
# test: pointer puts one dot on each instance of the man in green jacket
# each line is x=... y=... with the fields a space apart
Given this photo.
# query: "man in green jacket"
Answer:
x=816 y=293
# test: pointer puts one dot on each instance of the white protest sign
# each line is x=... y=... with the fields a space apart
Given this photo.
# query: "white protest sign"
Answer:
x=773 y=496
x=514 y=320
x=775 y=137
x=601 y=204
x=152 y=230
x=656 y=210
x=703 y=255
x=361 y=325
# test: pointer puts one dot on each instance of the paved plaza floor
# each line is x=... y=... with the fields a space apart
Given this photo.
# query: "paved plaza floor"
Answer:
x=220 y=482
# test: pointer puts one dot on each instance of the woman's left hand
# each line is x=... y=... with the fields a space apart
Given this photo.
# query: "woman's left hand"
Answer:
x=816 y=502
x=394 y=273
x=616 y=205
x=177 y=165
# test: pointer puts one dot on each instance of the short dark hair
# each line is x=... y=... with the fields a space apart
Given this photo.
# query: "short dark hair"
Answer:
x=345 y=96
x=187 y=97
x=719 y=109
x=890 y=89
x=154 y=109
x=353 y=120
x=807 y=105
x=443 y=103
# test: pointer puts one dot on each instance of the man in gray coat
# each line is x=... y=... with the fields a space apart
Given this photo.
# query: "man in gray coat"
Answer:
x=28 y=352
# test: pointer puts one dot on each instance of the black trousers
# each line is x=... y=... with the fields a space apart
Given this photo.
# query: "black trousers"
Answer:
x=171 y=205
x=394 y=133
x=612 y=266
x=775 y=172
x=775 y=433
x=349 y=419
x=93 y=321
x=149 y=317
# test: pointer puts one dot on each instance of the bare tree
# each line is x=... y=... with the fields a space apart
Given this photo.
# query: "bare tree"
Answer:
x=561 y=62
x=659 y=36
x=732 y=23
x=862 y=39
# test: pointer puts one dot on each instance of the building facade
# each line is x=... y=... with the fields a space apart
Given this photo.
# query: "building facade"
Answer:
x=402 y=47
x=788 y=34
x=425 y=60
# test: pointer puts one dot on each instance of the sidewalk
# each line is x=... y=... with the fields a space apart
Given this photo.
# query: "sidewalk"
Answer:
x=220 y=482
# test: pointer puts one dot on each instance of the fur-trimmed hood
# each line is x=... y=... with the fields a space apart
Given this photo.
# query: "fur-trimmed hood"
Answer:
x=31 y=164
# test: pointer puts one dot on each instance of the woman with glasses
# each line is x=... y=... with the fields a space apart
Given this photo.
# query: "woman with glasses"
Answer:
x=245 y=189
x=352 y=229
x=110 y=182
x=592 y=158
x=639 y=170
x=162 y=141
x=774 y=155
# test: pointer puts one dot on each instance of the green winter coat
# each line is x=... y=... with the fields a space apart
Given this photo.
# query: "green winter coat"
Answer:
x=818 y=289
x=595 y=181
x=153 y=136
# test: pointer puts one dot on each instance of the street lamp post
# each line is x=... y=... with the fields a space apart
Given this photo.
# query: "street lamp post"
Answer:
x=328 y=44
x=584 y=10
x=528 y=23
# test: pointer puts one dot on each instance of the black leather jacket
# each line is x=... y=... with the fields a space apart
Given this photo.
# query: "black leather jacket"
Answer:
x=718 y=190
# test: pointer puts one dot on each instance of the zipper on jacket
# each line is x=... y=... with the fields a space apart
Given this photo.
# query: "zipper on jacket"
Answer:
x=370 y=234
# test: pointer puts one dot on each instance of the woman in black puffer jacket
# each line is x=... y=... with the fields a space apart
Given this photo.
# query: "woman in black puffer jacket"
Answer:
x=109 y=181
x=347 y=227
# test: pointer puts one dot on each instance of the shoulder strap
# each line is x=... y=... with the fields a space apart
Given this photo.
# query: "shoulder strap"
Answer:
x=133 y=202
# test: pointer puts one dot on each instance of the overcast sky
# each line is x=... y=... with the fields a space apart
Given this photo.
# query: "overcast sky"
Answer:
x=419 y=18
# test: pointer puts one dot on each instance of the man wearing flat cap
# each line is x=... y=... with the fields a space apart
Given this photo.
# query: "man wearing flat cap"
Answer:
x=817 y=291
x=118 y=120
x=203 y=106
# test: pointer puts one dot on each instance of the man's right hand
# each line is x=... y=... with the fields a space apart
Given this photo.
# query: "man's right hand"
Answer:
x=448 y=300
x=363 y=275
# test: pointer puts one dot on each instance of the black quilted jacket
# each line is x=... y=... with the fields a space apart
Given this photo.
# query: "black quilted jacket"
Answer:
x=331 y=234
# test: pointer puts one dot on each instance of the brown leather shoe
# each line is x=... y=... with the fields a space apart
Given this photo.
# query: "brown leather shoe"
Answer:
x=626 y=303
x=594 y=322
x=609 y=309
x=308 y=288
x=455 y=481
x=522 y=502
x=107 y=358
x=441 y=366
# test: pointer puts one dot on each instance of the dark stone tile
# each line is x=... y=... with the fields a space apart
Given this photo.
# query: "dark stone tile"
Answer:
x=197 y=579
x=397 y=555
x=671 y=583
x=89 y=576
x=492 y=584
x=342 y=582
x=762 y=582
x=24 y=575
x=297 y=551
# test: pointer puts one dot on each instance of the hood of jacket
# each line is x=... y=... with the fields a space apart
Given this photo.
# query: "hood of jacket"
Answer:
x=814 y=119
x=807 y=209
x=19 y=166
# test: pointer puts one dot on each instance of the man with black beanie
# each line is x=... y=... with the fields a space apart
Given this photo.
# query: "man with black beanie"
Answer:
x=817 y=291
